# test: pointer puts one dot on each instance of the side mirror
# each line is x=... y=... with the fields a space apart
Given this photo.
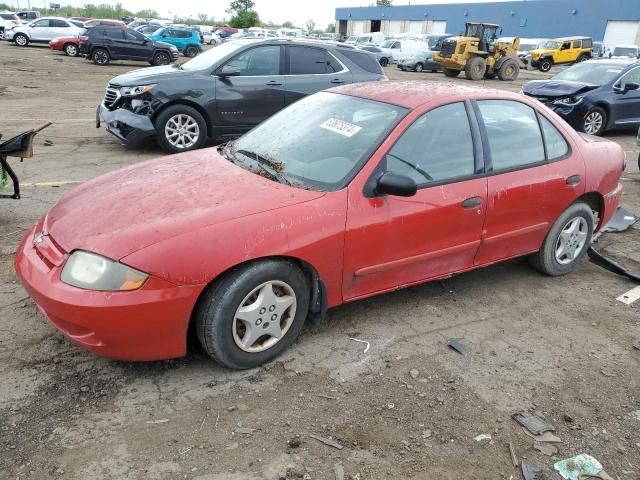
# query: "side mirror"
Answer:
x=398 y=185
x=229 y=71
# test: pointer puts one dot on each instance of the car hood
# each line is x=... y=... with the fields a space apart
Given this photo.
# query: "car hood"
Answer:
x=556 y=88
x=143 y=76
x=134 y=207
x=540 y=51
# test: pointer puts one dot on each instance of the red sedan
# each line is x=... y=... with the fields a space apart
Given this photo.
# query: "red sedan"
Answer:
x=345 y=194
x=68 y=45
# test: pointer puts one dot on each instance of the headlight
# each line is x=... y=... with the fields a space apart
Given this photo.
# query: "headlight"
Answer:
x=568 y=101
x=135 y=91
x=94 y=272
x=173 y=49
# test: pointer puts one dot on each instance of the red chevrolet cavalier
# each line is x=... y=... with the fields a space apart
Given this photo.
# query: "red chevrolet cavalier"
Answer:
x=345 y=194
x=69 y=45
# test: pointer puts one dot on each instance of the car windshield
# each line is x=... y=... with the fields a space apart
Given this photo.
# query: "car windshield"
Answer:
x=552 y=45
x=596 y=72
x=318 y=143
x=388 y=43
x=211 y=57
x=625 y=52
x=527 y=47
x=433 y=42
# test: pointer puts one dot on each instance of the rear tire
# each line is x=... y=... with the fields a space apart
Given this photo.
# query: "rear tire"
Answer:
x=419 y=67
x=161 y=58
x=583 y=58
x=595 y=122
x=71 y=50
x=545 y=65
x=100 y=56
x=180 y=128
x=567 y=241
x=21 y=40
x=219 y=329
x=448 y=72
x=475 y=69
x=191 y=52
x=509 y=70
x=384 y=61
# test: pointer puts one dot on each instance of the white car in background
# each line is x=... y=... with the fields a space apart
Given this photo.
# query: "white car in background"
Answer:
x=42 y=30
x=625 y=51
x=8 y=20
x=211 y=38
x=398 y=48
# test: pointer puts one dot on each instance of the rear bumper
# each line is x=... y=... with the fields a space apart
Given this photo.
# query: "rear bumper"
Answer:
x=146 y=324
x=127 y=126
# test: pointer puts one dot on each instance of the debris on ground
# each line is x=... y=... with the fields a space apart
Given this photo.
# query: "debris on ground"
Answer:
x=48 y=143
x=414 y=373
x=580 y=467
x=514 y=455
x=153 y=422
x=339 y=469
x=545 y=448
x=294 y=442
x=245 y=430
x=546 y=437
x=622 y=220
x=532 y=472
x=630 y=297
x=533 y=423
x=327 y=441
x=456 y=345
x=600 y=260
x=366 y=349
x=482 y=436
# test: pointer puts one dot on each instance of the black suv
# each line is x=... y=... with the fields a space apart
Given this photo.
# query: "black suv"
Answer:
x=227 y=90
x=105 y=43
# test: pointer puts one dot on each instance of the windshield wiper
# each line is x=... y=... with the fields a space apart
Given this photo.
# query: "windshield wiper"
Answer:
x=270 y=167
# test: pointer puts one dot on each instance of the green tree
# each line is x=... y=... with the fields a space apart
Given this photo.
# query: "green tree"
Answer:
x=288 y=24
x=331 y=28
x=246 y=19
x=311 y=26
x=384 y=3
x=240 y=6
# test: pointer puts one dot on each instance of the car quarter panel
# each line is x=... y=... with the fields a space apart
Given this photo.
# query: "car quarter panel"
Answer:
x=311 y=231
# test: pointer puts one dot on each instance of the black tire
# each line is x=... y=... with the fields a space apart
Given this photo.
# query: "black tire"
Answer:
x=71 y=50
x=489 y=75
x=509 y=70
x=191 y=51
x=448 y=72
x=161 y=58
x=545 y=259
x=419 y=67
x=217 y=307
x=595 y=121
x=434 y=71
x=384 y=61
x=475 y=69
x=21 y=40
x=100 y=56
x=167 y=114
x=582 y=58
x=545 y=64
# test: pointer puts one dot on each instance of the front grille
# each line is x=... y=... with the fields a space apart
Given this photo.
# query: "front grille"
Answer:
x=448 y=48
x=111 y=97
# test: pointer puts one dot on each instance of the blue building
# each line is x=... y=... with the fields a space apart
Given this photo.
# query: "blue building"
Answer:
x=614 y=21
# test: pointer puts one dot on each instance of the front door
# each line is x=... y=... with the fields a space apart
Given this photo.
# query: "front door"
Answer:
x=40 y=31
x=135 y=45
x=625 y=109
x=394 y=241
x=533 y=177
x=258 y=92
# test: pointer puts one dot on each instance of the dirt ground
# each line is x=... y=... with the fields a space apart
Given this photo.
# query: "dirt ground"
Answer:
x=407 y=408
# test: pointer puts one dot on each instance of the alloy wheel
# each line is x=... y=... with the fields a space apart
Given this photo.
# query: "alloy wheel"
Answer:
x=593 y=123
x=264 y=316
x=101 y=57
x=571 y=241
x=182 y=131
x=71 y=50
x=21 y=40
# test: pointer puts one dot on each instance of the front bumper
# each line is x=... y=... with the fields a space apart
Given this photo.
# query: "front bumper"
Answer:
x=128 y=127
x=145 y=324
x=573 y=115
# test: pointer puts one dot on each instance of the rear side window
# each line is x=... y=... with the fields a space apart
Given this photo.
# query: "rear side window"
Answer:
x=133 y=35
x=514 y=135
x=364 y=60
x=58 y=23
x=554 y=141
x=114 y=33
x=577 y=44
x=183 y=34
x=7 y=16
x=307 y=61
x=587 y=43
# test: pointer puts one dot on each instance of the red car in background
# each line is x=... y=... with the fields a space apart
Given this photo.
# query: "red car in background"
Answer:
x=346 y=194
x=71 y=45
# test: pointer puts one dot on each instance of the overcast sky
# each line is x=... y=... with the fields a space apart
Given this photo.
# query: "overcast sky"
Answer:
x=277 y=11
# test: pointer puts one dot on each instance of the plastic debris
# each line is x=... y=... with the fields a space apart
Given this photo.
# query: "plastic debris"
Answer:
x=245 y=431
x=533 y=423
x=546 y=437
x=597 y=258
x=366 y=349
x=456 y=345
x=327 y=441
x=580 y=467
x=532 y=472
x=339 y=469
x=482 y=436
x=154 y=422
x=545 y=448
x=621 y=221
x=514 y=455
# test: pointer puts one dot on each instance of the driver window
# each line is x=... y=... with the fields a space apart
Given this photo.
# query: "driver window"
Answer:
x=435 y=148
x=258 y=61
x=565 y=46
x=632 y=76
x=41 y=23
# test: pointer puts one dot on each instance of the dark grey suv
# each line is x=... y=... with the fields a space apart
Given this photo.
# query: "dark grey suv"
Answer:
x=227 y=90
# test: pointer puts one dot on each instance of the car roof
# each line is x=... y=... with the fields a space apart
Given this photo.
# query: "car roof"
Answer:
x=622 y=62
x=294 y=41
x=411 y=94
x=572 y=38
x=625 y=45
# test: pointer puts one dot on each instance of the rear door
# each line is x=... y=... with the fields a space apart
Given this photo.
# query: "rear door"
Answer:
x=533 y=176
x=61 y=28
x=254 y=95
x=311 y=69
x=114 y=40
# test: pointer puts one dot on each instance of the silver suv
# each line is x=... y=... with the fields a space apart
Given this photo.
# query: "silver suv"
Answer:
x=8 y=20
x=42 y=30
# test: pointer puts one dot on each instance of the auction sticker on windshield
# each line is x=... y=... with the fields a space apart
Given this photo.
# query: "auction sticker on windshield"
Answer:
x=343 y=128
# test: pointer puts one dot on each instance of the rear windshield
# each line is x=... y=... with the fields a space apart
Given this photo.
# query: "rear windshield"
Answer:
x=625 y=52
x=8 y=16
x=364 y=60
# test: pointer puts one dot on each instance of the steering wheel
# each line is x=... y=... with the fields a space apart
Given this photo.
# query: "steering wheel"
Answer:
x=415 y=167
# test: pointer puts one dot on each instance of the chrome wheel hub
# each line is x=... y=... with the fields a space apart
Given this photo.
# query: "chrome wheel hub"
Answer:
x=182 y=131
x=264 y=316
x=593 y=123
x=571 y=241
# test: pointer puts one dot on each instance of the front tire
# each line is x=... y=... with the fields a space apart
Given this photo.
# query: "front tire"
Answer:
x=21 y=40
x=475 y=69
x=71 y=50
x=419 y=67
x=100 y=56
x=161 y=58
x=508 y=71
x=448 y=72
x=567 y=241
x=253 y=313
x=180 y=128
x=595 y=122
x=545 y=65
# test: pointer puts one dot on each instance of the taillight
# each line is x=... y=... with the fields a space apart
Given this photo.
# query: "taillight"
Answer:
x=83 y=38
x=16 y=22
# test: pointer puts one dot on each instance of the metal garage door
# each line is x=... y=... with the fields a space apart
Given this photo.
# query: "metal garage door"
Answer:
x=619 y=32
x=359 y=27
x=415 y=28
x=438 y=27
x=395 y=27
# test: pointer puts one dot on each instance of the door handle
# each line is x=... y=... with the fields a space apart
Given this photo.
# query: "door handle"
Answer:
x=274 y=83
x=472 y=202
x=573 y=180
x=337 y=80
